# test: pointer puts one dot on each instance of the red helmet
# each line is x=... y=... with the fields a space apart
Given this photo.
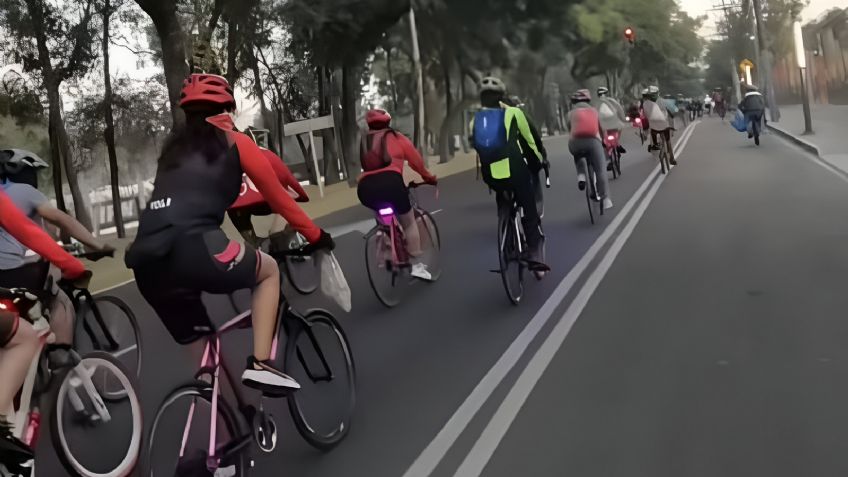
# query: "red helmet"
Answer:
x=207 y=88
x=377 y=116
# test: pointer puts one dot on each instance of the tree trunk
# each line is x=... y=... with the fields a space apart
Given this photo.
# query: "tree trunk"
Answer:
x=350 y=83
x=167 y=23
x=109 y=133
x=259 y=91
x=56 y=161
x=331 y=168
x=390 y=71
x=232 y=49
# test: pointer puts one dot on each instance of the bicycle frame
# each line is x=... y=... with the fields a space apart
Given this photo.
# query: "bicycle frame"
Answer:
x=212 y=364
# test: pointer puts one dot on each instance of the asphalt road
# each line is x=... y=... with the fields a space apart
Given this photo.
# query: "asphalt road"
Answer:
x=693 y=331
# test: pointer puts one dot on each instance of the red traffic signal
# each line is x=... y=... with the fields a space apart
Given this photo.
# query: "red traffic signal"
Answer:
x=630 y=35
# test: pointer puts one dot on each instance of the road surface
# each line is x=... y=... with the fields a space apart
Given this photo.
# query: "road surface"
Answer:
x=697 y=330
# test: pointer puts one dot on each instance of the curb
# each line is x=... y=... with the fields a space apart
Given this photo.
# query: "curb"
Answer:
x=808 y=146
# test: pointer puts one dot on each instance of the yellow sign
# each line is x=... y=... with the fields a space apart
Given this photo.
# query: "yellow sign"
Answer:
x=746 y=63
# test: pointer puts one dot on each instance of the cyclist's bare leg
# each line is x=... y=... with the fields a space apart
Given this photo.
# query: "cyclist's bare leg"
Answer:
x=266 y=297
x=62 y=319
x=410 y=230
x=15 y=359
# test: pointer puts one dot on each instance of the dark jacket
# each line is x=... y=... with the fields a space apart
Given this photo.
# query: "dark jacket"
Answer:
x=753 y=102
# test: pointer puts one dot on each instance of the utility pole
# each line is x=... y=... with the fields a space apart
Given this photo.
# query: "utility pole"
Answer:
x=416 y=59
x=765 y=57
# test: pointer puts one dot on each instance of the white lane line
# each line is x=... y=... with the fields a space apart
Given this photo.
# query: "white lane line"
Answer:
x=112 y=287
x=444 y=440
x=500 y=423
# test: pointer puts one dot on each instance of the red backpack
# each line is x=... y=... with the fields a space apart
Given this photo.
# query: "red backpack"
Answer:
x=585 y=123
x=373 y=151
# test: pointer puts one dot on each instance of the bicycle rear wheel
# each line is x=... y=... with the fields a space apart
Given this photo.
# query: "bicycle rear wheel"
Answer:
x=76 y=421
x=108 y=324
x=617 y=162
x=511 y=268
x=318 y=356
x=385 y=277
x=431 y=243
x=183 y=419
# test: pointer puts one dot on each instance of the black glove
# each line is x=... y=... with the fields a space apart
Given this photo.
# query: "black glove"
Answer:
x=325 y=242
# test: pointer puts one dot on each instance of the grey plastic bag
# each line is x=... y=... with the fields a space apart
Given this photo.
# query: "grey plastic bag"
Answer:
x=333 y=282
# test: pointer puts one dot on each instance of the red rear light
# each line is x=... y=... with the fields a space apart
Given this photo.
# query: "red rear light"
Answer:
x=610 y=138
x=638 y=120
x=8 y=305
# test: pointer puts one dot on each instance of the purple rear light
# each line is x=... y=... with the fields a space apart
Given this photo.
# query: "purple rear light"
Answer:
x=387 y=212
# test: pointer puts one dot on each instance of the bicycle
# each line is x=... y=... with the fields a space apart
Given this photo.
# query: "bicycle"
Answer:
x=220 y=445
x=613 y=155
x=386 y=258
x=81 y=411
x=302 y=272
x=592 y=195
x=105 y=323
x=664 y=155
x=755 y=129
x=512 y=245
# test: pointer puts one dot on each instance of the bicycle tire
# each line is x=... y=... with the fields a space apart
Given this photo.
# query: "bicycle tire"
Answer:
x=390 y=298
x=296 y=353
x=507 y=242
x=61 y=444
x=611 y=160
x=202 y=391
x=303 y=273
x=84 y=339
x=663 y=163
x=617 y=164
x=434 y=238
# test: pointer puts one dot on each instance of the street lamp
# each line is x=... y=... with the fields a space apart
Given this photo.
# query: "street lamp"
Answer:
x=801 y=61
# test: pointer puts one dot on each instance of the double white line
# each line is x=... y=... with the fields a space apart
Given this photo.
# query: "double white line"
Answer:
x=500 y=422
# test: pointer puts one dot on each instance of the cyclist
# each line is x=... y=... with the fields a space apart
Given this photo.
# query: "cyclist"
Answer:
x=658 y=116
x=529 y=156
x=383 y=153
x=180 y=250
x=510 y=155
x=612 y=117
x=719 y=105
x=18 y=338
x=584 y=124
x=753 y=106
x=250 y=201
x=19 y=179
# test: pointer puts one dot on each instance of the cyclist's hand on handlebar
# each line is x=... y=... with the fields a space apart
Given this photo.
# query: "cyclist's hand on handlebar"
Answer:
x=78 y=281
x=325 y=242
x=432 y=180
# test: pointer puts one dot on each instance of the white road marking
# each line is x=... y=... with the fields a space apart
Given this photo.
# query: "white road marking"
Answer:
x=447 y=436
x=485 y=447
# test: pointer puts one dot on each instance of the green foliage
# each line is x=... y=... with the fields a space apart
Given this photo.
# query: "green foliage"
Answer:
x=19 y=101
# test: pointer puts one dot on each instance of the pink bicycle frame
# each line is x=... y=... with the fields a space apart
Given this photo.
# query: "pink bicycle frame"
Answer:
x=210 y=360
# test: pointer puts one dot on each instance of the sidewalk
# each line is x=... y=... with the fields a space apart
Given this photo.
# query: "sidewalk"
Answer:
x=829 y=139
x=112 y=272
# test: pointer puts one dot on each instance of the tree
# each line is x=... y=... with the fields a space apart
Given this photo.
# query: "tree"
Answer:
x=55 y=41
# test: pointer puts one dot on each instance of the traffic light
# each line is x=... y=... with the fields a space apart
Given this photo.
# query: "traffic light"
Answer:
x=630 y=35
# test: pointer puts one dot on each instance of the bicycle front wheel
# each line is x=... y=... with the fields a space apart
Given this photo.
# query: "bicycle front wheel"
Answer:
x=303 y=273
x=108 y=324
x=431 y=243
x=318 y=356
x=179 y=439
x=511 y=268
x=95 y=437
x=384 y=276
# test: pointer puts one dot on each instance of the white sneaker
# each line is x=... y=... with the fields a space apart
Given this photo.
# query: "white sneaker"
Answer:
x=581 y=181
x=267 y=379
x=607 y=203
x=419 y=270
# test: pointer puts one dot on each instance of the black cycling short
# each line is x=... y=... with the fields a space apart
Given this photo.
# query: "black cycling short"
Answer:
x=203 y=262
x=31 y=277
x=382 y=190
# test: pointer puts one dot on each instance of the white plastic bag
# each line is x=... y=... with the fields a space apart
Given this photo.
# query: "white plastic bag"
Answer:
x=333 y=282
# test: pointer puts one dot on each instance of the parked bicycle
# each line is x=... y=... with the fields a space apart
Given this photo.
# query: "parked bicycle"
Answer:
x=386 y=258
x=93 y=407
x=216 y=432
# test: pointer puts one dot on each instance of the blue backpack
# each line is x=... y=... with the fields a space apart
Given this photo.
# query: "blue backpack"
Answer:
x=489 y=135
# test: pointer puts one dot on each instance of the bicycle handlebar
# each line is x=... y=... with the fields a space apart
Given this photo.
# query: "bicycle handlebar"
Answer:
x=78 y=251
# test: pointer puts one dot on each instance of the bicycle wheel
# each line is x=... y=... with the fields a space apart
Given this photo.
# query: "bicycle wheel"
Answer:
x=756 y=130
x=663 y=163
x=511 y=268
x=611 y=164
x=108 y=324
x=179 y=447
x=385 y=278
x=303 y=273
x=81 y=417
x=318 y=356
x=431 y=242
x=617 y=164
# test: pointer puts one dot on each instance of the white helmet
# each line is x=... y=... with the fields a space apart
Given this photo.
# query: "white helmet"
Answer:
x=603 y=91
x=13 y=161
x=490 y=83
